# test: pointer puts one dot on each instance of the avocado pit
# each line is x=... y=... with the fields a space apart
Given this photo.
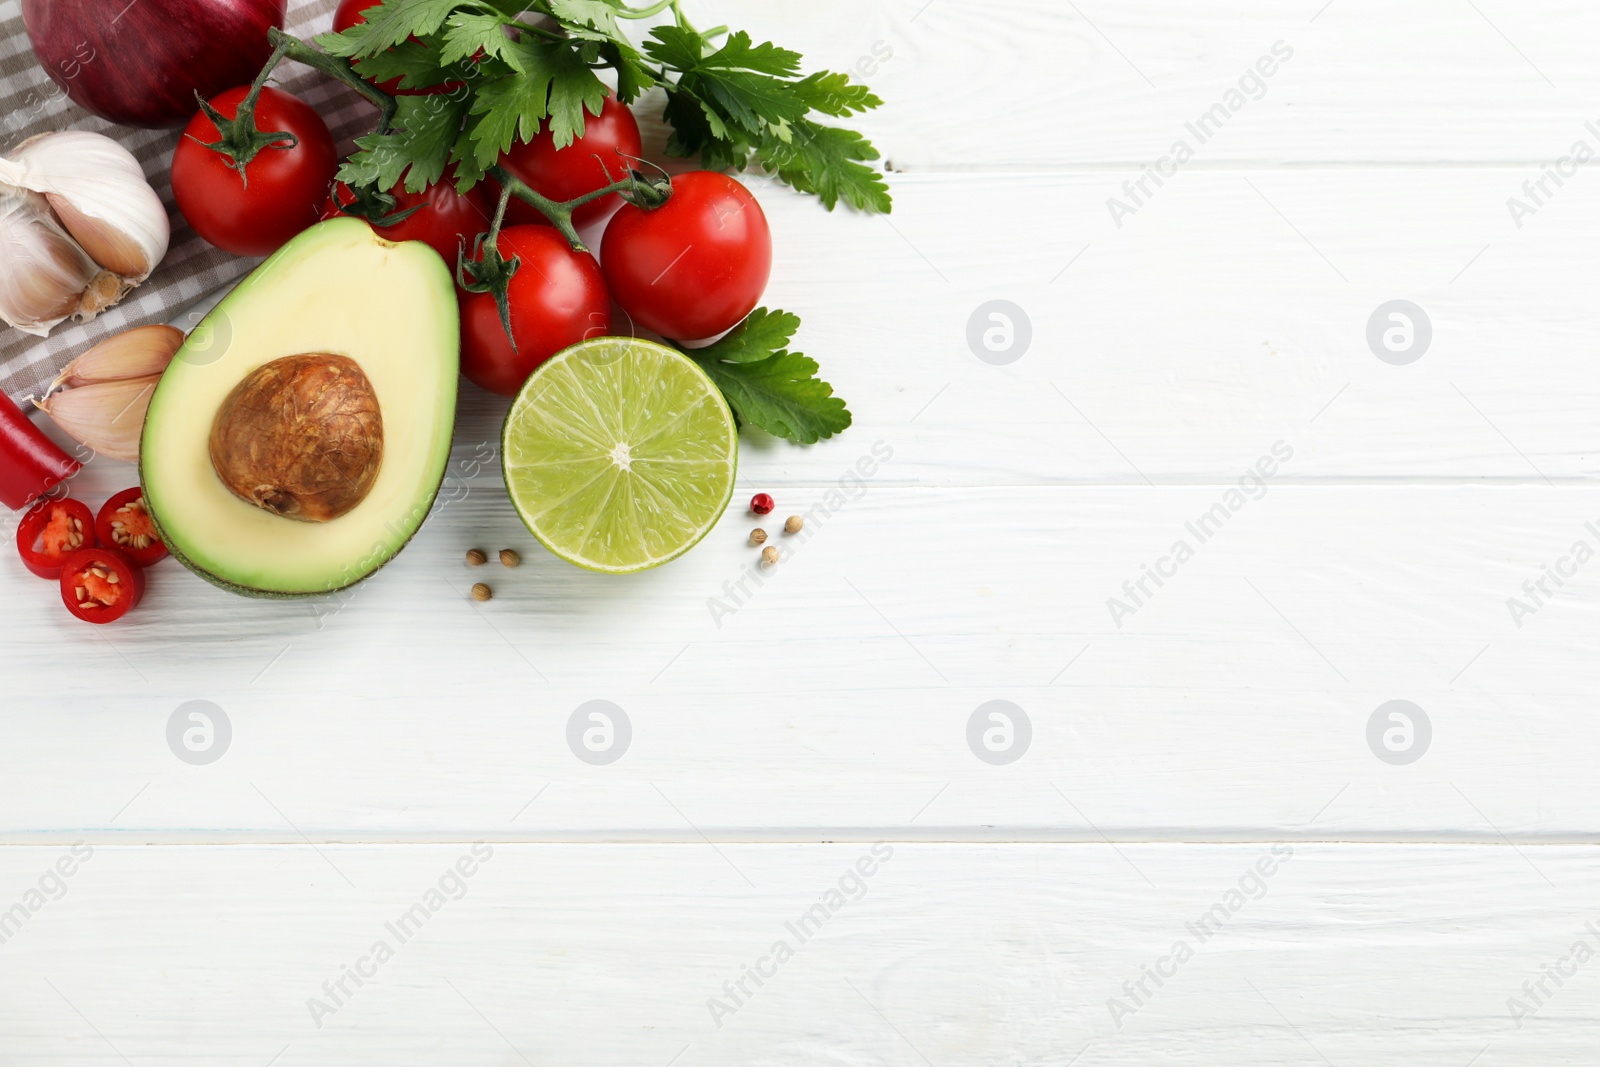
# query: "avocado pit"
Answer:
x=300 y=437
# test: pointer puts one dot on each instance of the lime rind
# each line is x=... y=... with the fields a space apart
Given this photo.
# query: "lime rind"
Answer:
x=619 y=454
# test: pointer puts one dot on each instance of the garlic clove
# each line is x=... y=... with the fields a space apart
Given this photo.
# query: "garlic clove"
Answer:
x=106 y=416
x=100 y=193
x=135 y=353
x=108 y=246
x=43 y=273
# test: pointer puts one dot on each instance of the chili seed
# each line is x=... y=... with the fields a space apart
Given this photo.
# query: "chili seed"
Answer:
x=112 y=578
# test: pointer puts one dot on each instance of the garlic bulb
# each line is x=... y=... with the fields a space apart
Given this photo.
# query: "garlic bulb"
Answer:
x=80 y=227
x=101 y=397
x=44 y=273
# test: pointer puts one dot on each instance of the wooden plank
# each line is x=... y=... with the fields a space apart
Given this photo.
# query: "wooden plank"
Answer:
x=943 y=955
x=1043 y=84
x=1231 y=312
x=836 y=695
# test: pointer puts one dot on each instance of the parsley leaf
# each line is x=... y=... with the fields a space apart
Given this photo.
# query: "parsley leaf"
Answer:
x=761 y=334
x=553 y=81
x=675 y=46
x=633 y=78
x=825 y=160
x=417 y=148
x=414 y=63
x=743 y=102
x=833 y=94
x=467 y=34
x=741 y=53
x=387 y=25
x=594 y=15
x=768 y=386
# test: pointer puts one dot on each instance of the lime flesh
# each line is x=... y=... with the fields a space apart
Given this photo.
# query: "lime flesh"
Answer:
x=619 y=454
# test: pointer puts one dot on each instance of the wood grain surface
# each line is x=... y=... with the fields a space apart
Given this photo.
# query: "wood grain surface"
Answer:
x=1356 y=530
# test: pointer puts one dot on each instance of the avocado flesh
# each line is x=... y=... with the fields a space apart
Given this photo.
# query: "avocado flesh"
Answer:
x=338 y=289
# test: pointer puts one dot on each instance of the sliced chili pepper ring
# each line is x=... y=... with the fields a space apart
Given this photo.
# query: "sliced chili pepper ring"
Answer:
x=51 y=531
x=100 y=584
x=124 y=523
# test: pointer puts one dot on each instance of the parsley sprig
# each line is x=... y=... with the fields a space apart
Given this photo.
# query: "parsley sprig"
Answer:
x=513 y=66
x=768 y=386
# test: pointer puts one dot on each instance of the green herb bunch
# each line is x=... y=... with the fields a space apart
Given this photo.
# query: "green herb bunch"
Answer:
x=511 y=66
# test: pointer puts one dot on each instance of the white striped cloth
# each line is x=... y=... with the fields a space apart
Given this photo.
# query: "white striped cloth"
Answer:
x=30 y=103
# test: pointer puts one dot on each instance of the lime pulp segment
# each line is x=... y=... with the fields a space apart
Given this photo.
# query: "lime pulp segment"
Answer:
x=619 y=454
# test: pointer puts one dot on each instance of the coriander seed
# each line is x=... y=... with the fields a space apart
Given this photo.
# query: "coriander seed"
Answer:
x=757 y=536
x=792 y=524
x=476 y=557
x=769 y=555
x=509 y=557
x=481 y=592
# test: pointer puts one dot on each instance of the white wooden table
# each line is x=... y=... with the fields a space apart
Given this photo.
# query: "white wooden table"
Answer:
x=1201 y=851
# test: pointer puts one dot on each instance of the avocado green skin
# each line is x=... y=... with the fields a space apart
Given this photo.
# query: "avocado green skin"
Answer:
x=270 y=594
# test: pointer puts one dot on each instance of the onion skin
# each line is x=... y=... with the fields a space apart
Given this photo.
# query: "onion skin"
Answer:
x=141 y=65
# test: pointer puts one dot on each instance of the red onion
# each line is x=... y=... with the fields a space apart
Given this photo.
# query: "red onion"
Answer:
x=140 y=63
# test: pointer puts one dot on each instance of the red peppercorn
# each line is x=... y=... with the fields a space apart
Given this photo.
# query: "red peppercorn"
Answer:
x=762 y=503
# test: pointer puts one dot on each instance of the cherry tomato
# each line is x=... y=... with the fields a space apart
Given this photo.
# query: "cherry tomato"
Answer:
x=353 y=13
x=286 y=185
x=558 y=298
x=444 y=218
x=696 y=265
x=100 y=584
x=50 y=532
x=591 y=162
x=124 y=523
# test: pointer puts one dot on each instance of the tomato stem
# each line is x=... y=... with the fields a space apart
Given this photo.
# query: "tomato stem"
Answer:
x=559 y=214
x=635 y=188
x=487 y=272
x=377 y=206
x=239 y=138
x=288 y=47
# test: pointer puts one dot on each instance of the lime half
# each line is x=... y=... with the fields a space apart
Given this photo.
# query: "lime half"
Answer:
x=619 y=454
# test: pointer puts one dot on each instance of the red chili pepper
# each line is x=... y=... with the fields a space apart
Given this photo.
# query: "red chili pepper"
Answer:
x=100 y=584
x=124 y=523
x=30 y=463
x=52 y=531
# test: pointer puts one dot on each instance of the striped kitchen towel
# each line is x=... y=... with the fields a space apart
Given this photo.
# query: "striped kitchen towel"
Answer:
x=31 y=103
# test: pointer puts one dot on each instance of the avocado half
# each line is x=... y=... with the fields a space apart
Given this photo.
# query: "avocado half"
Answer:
x=341 y=290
